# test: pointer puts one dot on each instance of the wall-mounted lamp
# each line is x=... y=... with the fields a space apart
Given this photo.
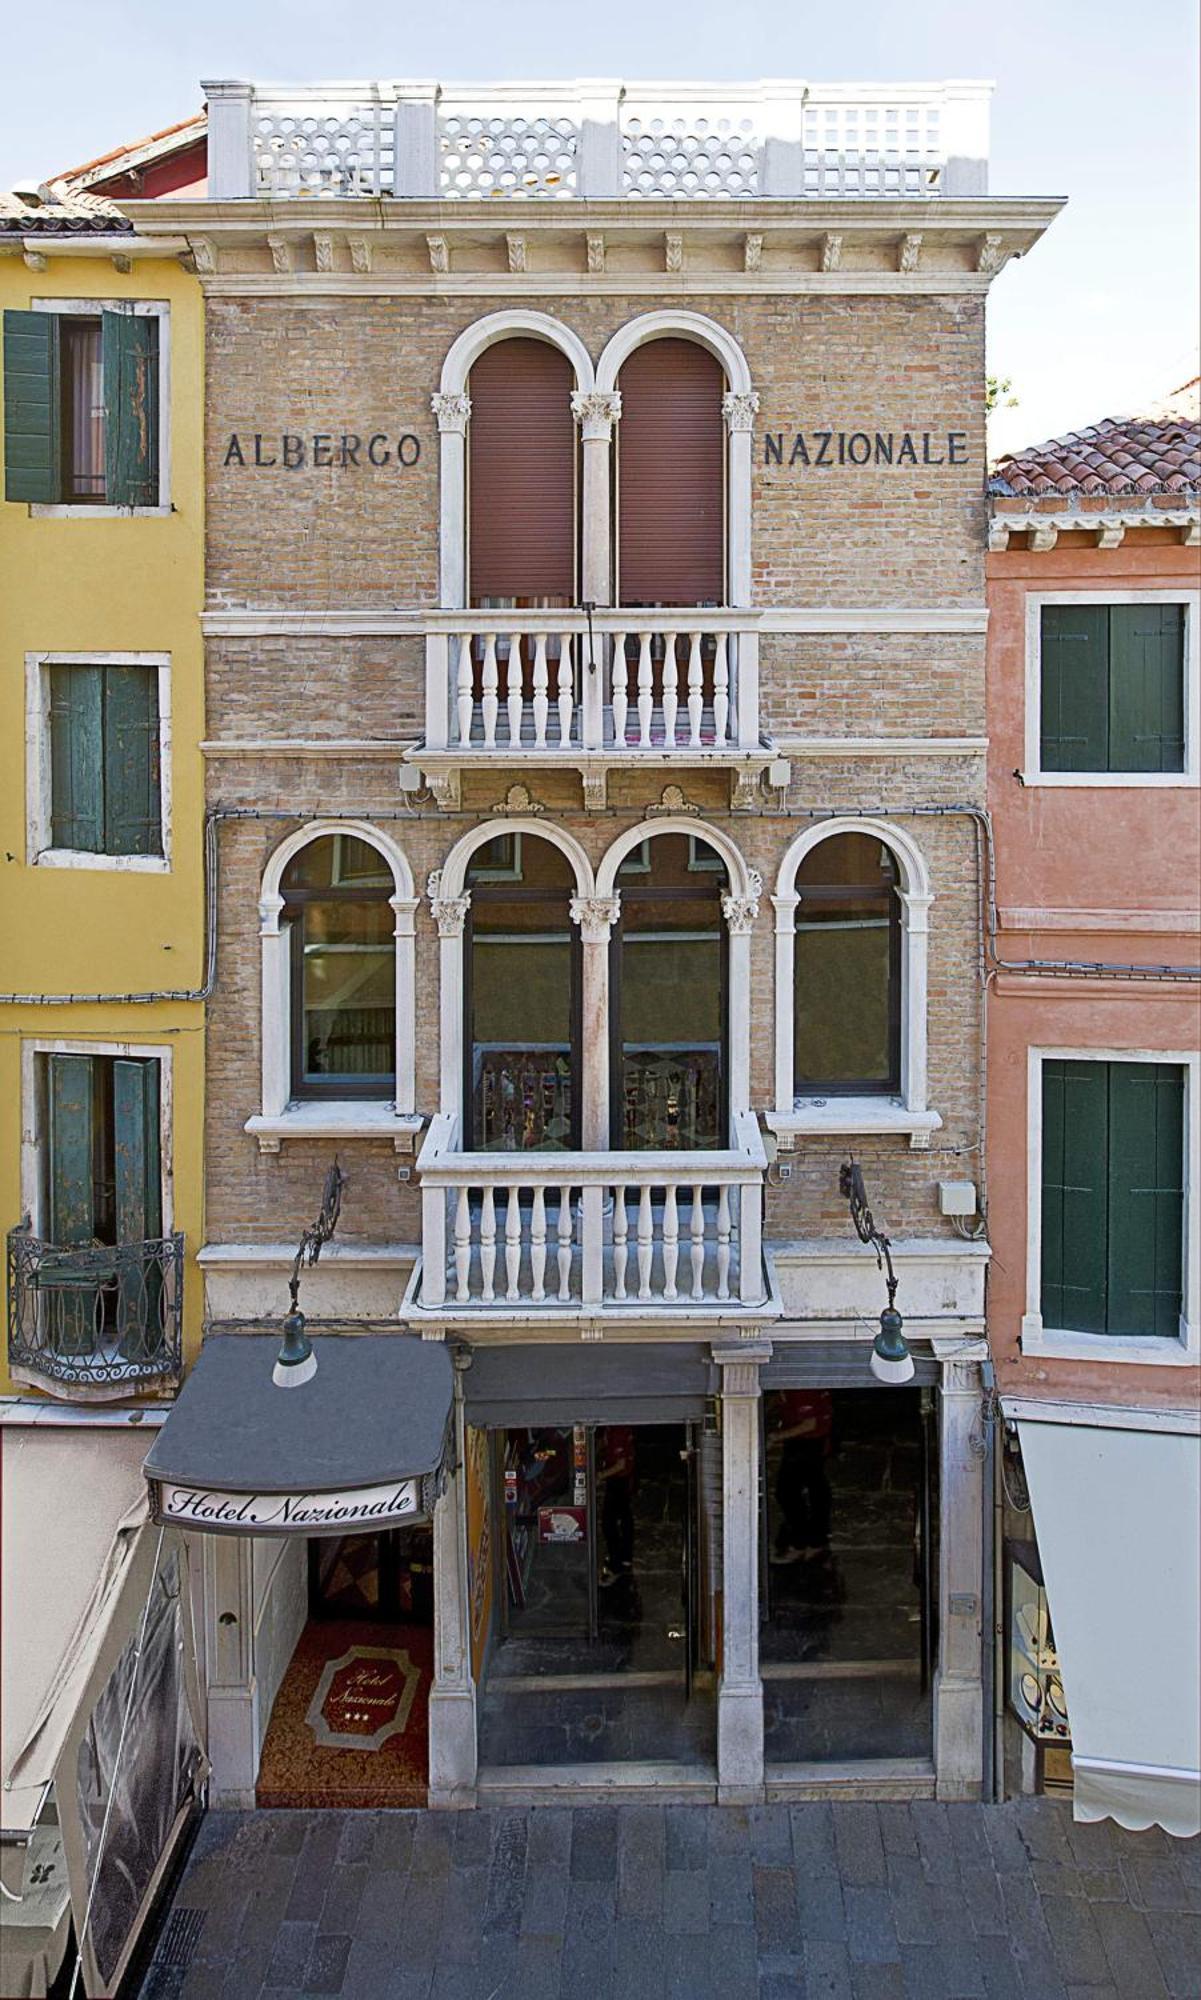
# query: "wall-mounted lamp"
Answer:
x=891 y=1360
x=296 y=1363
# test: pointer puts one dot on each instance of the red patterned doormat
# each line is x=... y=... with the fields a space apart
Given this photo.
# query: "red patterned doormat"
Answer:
x=350 y=1725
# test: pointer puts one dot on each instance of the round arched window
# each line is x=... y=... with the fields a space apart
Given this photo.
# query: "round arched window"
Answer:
x=336 y=905
x=847 y=1021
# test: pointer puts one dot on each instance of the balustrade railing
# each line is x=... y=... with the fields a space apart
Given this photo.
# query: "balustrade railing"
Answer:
x=94 y=1315
x=596 y=1232
x=660 y=681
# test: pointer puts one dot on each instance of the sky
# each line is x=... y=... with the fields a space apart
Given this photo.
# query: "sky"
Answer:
x=1095 y=100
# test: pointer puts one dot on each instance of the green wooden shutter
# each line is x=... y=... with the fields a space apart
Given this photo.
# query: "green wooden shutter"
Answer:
x=129 y=351
x=32 y=457
x=132 y=789
x=137 y=1172
x=70 y=1089
x=1146 y=687
x=1074 y=1177
x=1146 y=1197
x=1074 y=715
x=76 y=759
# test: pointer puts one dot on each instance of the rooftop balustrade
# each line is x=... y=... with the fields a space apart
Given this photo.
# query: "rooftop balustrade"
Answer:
x=598 y=141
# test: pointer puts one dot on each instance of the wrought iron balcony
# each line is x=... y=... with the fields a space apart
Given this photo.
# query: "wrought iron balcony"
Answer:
x=618 y=1236
x=95 y=1319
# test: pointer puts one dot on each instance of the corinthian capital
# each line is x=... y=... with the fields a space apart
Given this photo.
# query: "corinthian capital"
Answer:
x=450 y=914
x=596 y=916
x=596 y=411
x=740 y=913
x=452 y=411
x=740 y=408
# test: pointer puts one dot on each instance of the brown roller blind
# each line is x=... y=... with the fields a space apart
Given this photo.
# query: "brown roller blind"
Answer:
x=522 y=473
x=671 y=527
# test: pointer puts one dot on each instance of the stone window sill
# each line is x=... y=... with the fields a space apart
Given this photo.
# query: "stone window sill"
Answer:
x=1150 y=1350
x=814 y=1116
x=332 y=1118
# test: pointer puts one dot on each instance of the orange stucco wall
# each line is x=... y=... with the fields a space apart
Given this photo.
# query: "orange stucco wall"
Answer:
x=1110 y=874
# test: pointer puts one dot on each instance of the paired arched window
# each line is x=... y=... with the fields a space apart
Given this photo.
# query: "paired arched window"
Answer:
x=521 y=480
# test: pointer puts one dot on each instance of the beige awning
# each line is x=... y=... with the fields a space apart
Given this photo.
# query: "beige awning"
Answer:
x=1117 y=1511
x=74 y=1506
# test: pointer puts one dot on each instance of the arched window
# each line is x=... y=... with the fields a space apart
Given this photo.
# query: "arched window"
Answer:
x=522 y=476
x=669 y=1063
x=671 y=476
x=847 y=983
x=522 y=1082
x=337 y=902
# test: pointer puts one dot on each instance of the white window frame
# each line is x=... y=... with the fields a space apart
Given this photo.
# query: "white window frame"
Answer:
x=281 y=1116
x=38 y=788
x=159 y=309
x=1033 y=773
x=905 y=1111
x=1064 y=1344
x=34 y=1134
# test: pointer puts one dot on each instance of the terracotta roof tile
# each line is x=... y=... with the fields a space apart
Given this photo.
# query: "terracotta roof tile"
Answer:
x=61 y=210
x=1121 y=455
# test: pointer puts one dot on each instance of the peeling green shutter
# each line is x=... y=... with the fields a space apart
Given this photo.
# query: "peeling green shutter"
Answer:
x=1146 y=687
x=1146 y=1197
x=132 y=807
x=137 y=1170
x=1074 y=719
x=76 y=759
x=129 y=350
x=31 y=407
x=1075 y=1174
x=70 y=1089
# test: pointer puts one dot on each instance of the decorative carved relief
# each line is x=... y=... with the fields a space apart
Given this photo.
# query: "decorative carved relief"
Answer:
x=360 y=255
x=323 y=250
x=452 y=410
x=910 y=251
x=671 y=801
x=205 y=255
x=281 y=253
x=752 y=253
x=596 y=253
x=990 y=257
x=439 y=253
x=673 y=249
x=740 y=913
x=450 y=914
x=831 y=253
x=519 y=799
x=516 y=247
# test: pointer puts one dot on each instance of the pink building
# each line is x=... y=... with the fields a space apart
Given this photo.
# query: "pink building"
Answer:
x=1094 y=1106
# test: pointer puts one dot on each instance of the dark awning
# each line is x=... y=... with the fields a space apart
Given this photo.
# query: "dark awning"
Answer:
x=375 y=1416
x=532 y=1385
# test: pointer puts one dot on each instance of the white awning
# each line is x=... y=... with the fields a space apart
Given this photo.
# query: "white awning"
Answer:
x=1117 y=1512
x=74 y=1505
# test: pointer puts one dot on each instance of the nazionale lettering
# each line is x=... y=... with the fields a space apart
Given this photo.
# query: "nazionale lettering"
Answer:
x=295 y=453
x=830 y=448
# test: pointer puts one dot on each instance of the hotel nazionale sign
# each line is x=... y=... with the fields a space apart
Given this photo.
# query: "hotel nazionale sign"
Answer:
x=294 y=451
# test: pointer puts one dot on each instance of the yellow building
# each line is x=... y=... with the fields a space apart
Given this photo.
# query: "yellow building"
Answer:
x=102 y=880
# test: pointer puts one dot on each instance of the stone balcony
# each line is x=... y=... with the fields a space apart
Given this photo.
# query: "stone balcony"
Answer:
x=617 y=1238
x=666 y=690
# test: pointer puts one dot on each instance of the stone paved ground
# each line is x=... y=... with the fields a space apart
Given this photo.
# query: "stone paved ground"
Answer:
x=808 y=1902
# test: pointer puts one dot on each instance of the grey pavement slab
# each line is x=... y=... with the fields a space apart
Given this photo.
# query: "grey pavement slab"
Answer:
x=803 y=1902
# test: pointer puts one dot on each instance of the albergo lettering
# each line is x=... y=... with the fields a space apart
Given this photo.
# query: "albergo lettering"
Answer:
x=292 y=452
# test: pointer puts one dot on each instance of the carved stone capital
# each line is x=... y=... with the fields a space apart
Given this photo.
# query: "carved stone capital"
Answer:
x=990 y=255
x=596 y=411
x=450 y=914
x=323 y=250
x=831 y=252
x=596 y=251
x=596 y=916
x=740 y=409
x=909 y=254
x=452 y=411
x=281 y=253
x=673 y=250
x=360 y=254
x=740 y=913
x=439 y=254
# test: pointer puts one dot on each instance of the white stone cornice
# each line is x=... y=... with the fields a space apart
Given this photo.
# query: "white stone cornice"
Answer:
x=596 y=411
x=596 y=916
x=1107 y=526
x=1044 y=534
x=740 y=410
x=452 y=411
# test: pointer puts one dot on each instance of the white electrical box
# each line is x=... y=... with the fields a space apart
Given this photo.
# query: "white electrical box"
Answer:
x=957 y=1197
x=779 y=773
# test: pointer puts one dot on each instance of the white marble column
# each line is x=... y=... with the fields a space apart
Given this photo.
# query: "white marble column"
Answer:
x=739 y=411
x=740 y=1690
x=596 y=916
x=275 y=1015
x=959 y=1681
x=450 y=915
x=596 y=411
x=452 y=412
x=740 y=913
x=234 y=1734
x=452 y=1725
